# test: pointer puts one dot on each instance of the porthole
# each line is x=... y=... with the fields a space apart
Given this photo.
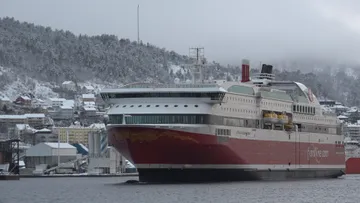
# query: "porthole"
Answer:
x=196 y=105
x=147 y=105
x=156 y=105
x=166 y=105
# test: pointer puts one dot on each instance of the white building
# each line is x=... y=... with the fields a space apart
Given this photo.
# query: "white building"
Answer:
x=4 y=100
x=39 y=103
x=48 y=152
x=90 y=111
x=89 y=89
x=69 y=85
x=69 y=103
x=56 y=102
x=88 y=98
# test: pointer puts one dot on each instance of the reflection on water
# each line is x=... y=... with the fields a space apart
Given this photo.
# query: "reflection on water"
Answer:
x=87 y=190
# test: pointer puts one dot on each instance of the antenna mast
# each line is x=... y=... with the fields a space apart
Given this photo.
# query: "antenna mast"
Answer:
x=138 y=24
x=197 y=54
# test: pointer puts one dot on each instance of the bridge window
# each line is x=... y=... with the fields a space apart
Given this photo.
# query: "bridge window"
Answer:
x=160 y=119
x=213 y=95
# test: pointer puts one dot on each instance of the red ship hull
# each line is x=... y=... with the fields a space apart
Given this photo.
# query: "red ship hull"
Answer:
x=163 y=155
x=353 y=166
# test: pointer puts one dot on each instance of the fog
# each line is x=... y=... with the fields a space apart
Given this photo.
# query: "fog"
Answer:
x=229 y=30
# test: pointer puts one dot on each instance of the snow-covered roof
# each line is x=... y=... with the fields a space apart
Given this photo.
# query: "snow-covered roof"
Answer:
x=25 y=97
x=59 y=145
x=97 y=125
x=67 y=82
x=57 y=99
x=3 y=97
x=44 y=130
x=39 y=100
x=89 y=108
x=339 y=107
x=66 y=107
x=89 y=87
x=342 y=117
x=13 y=117
x=69 y=103
x=88 y=96
x=35 y=115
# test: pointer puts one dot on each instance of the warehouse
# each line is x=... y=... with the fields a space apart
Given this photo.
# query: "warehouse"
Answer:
x=48 y=152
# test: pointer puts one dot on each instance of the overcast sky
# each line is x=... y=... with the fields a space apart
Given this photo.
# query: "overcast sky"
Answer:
x=228 y=29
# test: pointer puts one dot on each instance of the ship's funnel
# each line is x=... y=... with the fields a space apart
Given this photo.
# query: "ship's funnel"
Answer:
x=245 y=70
x=266 y=69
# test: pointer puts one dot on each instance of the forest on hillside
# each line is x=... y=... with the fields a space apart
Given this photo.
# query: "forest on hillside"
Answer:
x=51 y=55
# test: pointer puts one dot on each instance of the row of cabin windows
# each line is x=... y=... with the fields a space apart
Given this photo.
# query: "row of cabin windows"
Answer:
x=275 y=104
x=131 y=106
x=239 y=99
x=219 y=131
x=304 y=109
x=314 y=118
x=208 y=119
x=239 y=110
x=159 y=119
x=252 y=101
x=213 y=96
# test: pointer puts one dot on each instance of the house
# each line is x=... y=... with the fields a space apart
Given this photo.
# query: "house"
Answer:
x=35 y=119
x=23 y=100
x=69 y=85
x=62 y=113
x=56 y=102
x=91 y=104
x=39 y=103
x=89 y=89
x=89 y=111
x=21 y=119
x=69 y=103
x=88 y=98
x=4 y=100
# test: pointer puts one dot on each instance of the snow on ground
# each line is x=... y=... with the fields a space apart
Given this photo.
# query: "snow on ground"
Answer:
x=3 y=70
x=40 y=90
x=176 y=68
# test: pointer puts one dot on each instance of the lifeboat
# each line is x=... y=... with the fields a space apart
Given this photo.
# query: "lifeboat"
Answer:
x=267 y=117
x=283 y=118
x=275 y=117
x=288 y=126
x=270 y=117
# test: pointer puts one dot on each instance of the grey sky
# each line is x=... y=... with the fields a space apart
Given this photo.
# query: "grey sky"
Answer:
x=228 y=29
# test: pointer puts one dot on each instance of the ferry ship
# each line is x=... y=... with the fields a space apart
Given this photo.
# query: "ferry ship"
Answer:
x=254 y=129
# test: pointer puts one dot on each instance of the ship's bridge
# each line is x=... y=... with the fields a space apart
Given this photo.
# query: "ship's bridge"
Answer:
x=308 y=93
x=298 y=92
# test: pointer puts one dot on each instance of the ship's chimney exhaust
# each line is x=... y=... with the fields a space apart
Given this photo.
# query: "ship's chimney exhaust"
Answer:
x=245 y=70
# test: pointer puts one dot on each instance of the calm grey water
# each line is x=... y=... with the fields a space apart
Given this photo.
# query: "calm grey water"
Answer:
x=103 y=190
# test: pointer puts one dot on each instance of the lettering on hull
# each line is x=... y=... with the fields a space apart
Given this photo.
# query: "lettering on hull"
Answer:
x=314 y=153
